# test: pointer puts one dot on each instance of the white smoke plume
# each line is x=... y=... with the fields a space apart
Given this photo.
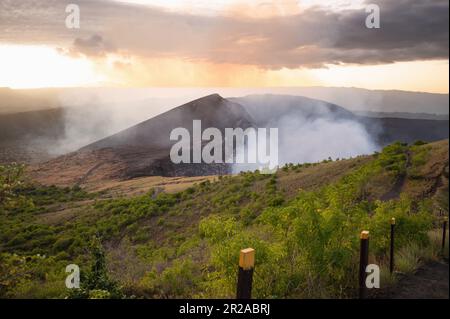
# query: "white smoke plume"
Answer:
x=310 y=132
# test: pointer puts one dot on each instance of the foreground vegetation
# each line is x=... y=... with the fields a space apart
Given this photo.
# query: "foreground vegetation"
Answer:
x=187 y=244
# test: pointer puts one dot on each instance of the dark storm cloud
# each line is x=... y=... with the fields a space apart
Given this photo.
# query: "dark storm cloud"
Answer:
x=410 y=30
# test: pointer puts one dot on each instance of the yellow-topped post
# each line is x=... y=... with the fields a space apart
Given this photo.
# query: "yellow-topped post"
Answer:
x=247 y=258
x=245 y=273
x=364 y=234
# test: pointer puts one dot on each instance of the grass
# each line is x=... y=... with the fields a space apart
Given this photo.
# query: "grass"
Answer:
x=303 y=222
x=436 y=244
x=411 y=257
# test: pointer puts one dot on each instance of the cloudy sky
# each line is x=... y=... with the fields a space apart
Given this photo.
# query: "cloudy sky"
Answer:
x=236 y=43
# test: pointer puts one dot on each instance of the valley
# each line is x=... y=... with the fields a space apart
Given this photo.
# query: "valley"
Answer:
x=241 y=158
x=165 y=230
x=164 y=242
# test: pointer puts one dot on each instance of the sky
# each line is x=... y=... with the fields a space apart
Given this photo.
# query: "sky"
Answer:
x=225 y=43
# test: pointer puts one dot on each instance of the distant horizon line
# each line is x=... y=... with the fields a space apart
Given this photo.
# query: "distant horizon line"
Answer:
x=212 y=87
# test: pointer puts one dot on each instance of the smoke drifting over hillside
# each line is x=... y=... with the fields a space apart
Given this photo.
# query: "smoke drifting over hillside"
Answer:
x=90 y=117
x=309 y=130
x=311 y=141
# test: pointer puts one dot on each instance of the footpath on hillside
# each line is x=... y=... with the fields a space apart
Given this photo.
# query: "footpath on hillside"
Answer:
x=431 y=281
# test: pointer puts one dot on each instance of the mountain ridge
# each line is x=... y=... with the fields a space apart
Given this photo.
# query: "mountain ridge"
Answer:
x=143 y=149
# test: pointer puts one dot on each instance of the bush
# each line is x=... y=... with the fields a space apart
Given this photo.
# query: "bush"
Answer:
x=393 y=158
x=419 y=142
x=180 y=280
x=10 y=179
x=62 y=244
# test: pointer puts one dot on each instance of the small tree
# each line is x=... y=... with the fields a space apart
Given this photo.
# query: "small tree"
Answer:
x=96 y=283
x=10 y=179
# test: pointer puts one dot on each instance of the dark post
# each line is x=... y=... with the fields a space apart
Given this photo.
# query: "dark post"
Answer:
x=245 y=275
x=444 y=234
x=363 y=262
x=391 y=264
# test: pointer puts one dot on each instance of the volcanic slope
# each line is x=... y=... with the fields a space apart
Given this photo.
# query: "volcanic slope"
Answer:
x=143 y=149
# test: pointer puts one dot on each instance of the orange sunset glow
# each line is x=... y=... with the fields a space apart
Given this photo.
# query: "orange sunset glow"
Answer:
x=209 y=57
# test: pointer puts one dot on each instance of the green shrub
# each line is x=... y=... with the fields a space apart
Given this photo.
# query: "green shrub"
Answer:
x=180 y=280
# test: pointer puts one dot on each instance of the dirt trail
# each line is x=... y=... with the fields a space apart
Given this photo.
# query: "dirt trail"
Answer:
x=429 y=282
x=86 y=175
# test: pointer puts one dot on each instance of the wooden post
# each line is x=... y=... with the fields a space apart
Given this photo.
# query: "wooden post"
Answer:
x=363 y=262
x=391 y=261
x=245 y=275
x=444 y=233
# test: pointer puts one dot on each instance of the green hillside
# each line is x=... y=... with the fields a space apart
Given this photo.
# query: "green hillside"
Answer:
x=304 y=223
